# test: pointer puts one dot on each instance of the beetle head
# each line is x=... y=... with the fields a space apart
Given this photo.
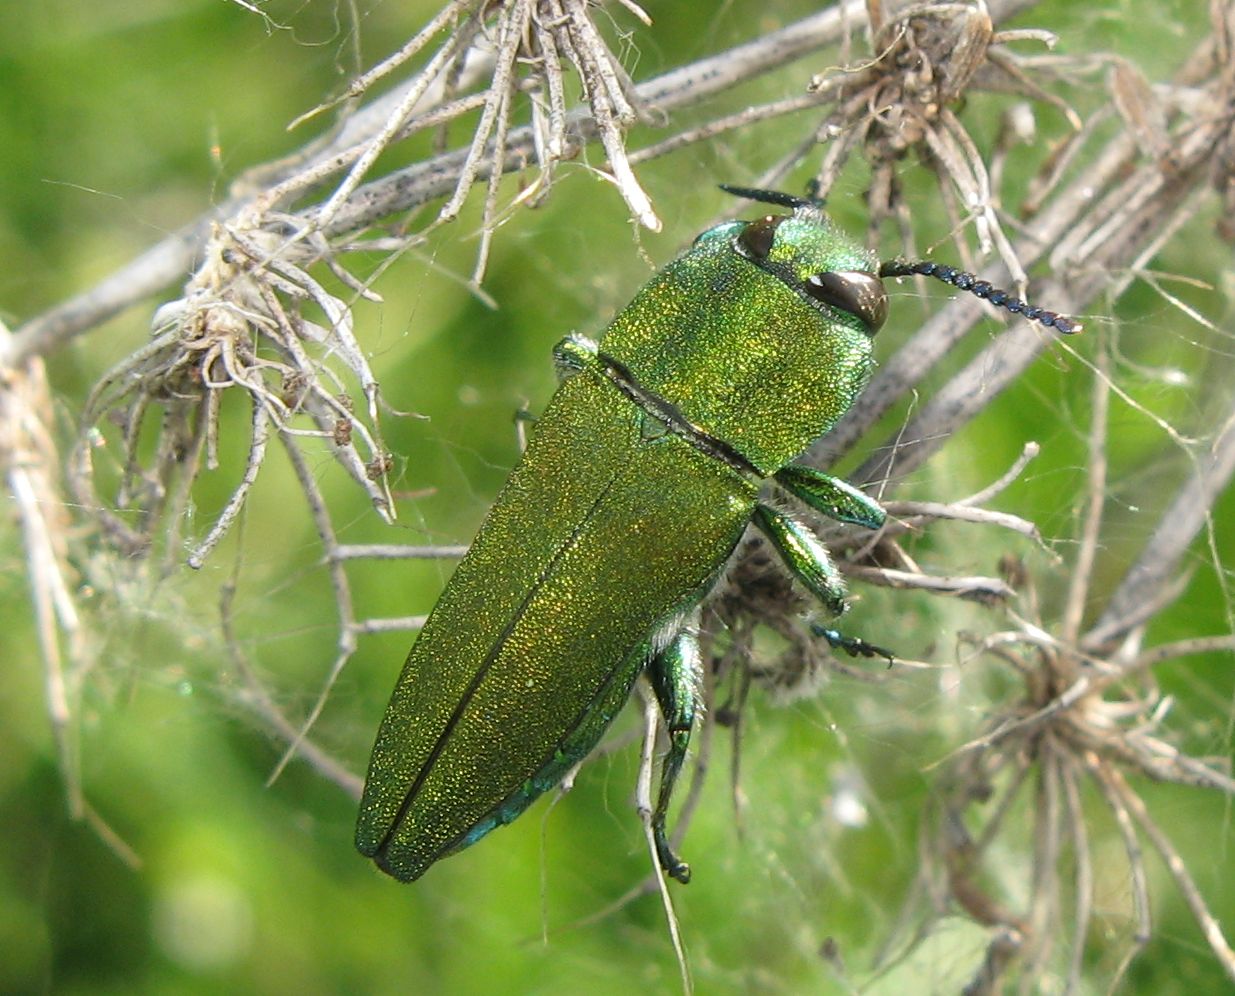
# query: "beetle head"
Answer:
x=798 y=247
x=811 y=256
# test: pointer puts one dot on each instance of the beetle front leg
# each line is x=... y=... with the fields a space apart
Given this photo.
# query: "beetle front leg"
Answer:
x=676 y=674
x=831 y=496
x=811 y=563
x=573 y=355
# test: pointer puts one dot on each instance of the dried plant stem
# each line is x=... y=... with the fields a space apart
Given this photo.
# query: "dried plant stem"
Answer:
x=643 y=797
x=1128 y=799
x=165 y=262
x=1083 y=886
x=1146 y=581
x=29 y=458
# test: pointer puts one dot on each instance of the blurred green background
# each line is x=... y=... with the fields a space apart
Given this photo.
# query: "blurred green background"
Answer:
x=120 y=122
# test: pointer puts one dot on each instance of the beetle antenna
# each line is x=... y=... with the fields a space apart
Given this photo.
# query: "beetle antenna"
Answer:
x=983 y=289
x=773 y=197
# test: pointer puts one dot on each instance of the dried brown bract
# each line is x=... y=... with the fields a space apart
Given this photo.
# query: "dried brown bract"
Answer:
x=926 y=57
x=240 y=327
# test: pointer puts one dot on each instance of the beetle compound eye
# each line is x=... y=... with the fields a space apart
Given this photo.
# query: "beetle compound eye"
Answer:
x=755 y=240
x=861 y=294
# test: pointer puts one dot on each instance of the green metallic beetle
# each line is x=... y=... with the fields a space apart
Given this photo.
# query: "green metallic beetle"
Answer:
x=637 y=483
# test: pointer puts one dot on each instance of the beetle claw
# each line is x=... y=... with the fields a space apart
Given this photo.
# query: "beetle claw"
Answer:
x=674 y=867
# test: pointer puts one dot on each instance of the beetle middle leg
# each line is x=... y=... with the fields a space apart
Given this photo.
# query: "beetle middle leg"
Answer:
x=810 y=562
x=675 y=674
x=852 y=645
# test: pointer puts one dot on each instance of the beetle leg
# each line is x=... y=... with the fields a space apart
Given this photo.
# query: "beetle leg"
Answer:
x=676 y=674
x=831 y=496
x=805 y=555
x=573 y=355
x=811 y=563
x=852 y=645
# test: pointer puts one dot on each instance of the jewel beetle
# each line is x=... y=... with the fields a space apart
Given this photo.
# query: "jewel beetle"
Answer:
x=637 y=483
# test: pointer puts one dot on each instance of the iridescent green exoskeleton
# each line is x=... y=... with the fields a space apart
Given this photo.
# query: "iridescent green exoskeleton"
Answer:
x=637 y=483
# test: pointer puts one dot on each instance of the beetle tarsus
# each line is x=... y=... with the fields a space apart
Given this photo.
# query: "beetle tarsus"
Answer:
x=674 y=867
x=852 y=645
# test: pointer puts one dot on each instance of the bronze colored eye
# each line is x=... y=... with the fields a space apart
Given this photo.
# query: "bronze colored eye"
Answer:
x=861 y=294
x=756 y=238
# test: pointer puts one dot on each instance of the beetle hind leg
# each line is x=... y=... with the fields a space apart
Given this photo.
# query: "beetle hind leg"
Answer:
x=675 y=673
